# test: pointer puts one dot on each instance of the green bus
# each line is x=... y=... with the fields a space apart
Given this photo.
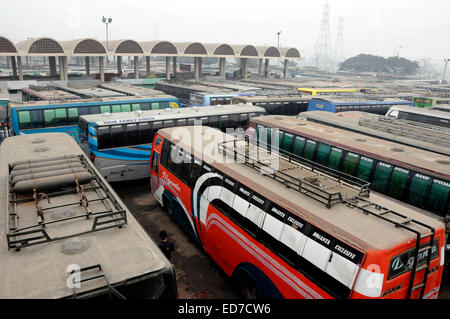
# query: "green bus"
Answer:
x=421 y=101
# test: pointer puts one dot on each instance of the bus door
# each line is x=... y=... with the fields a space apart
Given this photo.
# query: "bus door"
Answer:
x=157 y=188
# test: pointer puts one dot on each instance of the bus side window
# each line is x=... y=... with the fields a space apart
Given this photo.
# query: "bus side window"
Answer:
x=350 y=163
x=155 y=163
x=255 y=213
x=72 y=115
x=224 y=123
x=84 y=110
x=131 y=133
x=438 y=200
x=24 y=119
x=185 y=167
x=126 y=107
x=61 y=116
x=169 y=123
x=165 y=153
x=272 y=228
x=37 y=120
x=155 y=106
x=365 y=168
x=194 y=174
x=103 y=137
x=226 y=195
x=309 y=150
x=299 y=145
x=49 y=117
x=243 y=119
x=145 y=106
x=418 y=189
x=145 y=133
x=398 y=182
x=239 y=209
x=164 y=105
x=213 y=121
x=94 y=109
x=115 y=108
x=323 y=151
x=381 y=177
x=105 y=109
x=287 y=143
x=117 y=136
x=334 y=159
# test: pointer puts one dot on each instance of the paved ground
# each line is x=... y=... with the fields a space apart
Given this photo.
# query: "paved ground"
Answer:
x=198 y=276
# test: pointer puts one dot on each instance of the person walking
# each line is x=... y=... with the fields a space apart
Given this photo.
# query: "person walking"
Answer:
x=166 y=245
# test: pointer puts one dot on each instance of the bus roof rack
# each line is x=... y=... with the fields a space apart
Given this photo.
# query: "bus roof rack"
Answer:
x=80 y=200
x=370 y=208
x=314 y=180
x=420 y=131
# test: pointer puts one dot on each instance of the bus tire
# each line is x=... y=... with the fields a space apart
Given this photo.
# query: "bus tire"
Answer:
x=248 y=287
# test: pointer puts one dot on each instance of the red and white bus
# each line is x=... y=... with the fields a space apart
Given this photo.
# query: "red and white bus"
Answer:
x=293 y=230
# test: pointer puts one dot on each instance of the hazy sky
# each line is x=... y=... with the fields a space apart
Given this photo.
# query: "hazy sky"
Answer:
x=421 y=28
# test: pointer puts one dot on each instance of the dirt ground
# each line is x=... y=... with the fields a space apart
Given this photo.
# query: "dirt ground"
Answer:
x=198 y=276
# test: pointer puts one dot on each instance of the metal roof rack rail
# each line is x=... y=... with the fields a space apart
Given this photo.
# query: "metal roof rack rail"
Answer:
x=38 y=232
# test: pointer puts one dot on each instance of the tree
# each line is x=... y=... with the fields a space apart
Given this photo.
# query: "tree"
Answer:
x=378 y=64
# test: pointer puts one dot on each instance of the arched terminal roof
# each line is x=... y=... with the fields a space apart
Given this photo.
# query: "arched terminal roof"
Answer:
x=128 y=47
x=219 y=50
x=159 y=48
x=268 y=52
x=7 y=48
x=84 y=47
x=40 y=47
x=195 y=49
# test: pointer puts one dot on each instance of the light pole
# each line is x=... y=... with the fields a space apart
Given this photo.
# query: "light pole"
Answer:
x=278 y=44
x=106 y=21
x=445 y=69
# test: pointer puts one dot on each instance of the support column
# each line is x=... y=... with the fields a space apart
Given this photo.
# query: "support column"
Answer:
x=61 y=68
x=260 y=71
x=52 y=63
x=19 y=65
x=119 y=65
x=285 y=73
x=66 y=68
x=199 y=67
x=101 y=65
x=174 y=66
x=167 y=67
x=87 y=66
x=147 y=65
x=244 y=67
x=197 y=63
x=13 y=65
x=222 y=66
x=266 y=68
x=8 y=62
x=136 y=67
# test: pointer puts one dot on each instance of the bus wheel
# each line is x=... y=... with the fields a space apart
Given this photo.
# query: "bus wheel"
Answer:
x=248 y=287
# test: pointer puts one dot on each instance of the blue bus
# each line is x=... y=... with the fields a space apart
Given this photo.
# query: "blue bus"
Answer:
x=120 y=144
x=340 y=105
x=41 y=117
x=208 y=99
